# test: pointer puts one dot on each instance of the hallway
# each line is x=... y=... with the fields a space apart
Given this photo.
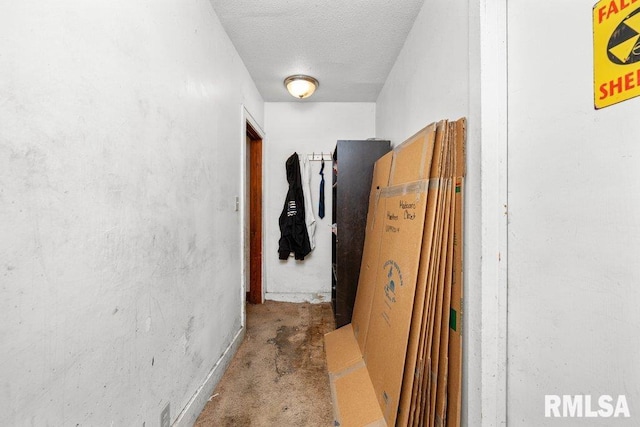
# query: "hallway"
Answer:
x=279 y=376
x=124 y=202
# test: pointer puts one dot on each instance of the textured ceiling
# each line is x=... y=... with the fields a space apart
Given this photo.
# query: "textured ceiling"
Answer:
x=348 y=45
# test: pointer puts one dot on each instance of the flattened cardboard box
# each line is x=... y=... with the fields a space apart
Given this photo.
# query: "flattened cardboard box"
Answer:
x=454 y=385
x=392 y=307
x=426 y=392
x=370 y=253
x=418 y=328
x=354 y=392
x=341 y=350
x=383 y=310
x=373 y=380
x=410 y=161
x=354 y=400
x=439 y=392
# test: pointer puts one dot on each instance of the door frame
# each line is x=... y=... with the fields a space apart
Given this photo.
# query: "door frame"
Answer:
x=254 y=294
x=486 y=279
x=248 y=122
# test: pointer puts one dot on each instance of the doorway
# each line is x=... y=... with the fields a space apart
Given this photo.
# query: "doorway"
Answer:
x=254 y=189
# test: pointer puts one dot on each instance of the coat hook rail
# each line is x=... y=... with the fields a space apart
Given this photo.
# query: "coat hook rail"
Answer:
x=316 y=157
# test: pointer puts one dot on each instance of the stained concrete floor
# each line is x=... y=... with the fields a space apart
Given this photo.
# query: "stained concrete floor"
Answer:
x=278 y=377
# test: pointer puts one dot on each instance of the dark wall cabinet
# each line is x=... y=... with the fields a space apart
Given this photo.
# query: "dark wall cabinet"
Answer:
x=352 y=174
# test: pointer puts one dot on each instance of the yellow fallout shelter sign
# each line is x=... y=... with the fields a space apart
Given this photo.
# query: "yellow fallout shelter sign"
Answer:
x=616 y=51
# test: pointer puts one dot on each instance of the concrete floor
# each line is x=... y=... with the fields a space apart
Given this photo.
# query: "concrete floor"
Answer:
x=279 y=375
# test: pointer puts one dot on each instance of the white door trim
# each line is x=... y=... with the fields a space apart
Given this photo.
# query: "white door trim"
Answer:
x=488 y=105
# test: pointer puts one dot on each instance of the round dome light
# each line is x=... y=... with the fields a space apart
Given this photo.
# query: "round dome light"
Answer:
x=301 y=86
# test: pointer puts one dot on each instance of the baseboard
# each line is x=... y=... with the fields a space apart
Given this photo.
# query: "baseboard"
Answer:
x=312 y=297
x=196 y=404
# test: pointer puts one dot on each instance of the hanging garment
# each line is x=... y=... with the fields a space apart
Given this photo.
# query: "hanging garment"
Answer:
x=321 y=205
x=310 y=219
x=293 y=229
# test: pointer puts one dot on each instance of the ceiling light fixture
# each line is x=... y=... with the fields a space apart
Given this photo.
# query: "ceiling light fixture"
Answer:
x=301 y=86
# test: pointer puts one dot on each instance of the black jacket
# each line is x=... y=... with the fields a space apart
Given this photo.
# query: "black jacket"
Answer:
x=293 y=229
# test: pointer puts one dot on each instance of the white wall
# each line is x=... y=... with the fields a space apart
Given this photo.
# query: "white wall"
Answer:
x=304 y=128
x=574 y=231
x=431 y=80
x=120 y=156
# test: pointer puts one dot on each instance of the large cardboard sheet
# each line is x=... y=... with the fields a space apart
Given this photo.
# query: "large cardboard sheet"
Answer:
x=371 y=250
x=386 y=345
x=434 y=285
x=443 y=363
x=454 y=387
x=444 y=288
x=410 y=374
x=399 y=362
x=430 y=263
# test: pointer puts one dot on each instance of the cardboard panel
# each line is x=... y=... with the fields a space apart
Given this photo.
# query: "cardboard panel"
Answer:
x=412 y=158
x=399 y=362
x=390 y=321
x=341 y=349
x=411 y=161
x=410 y=377
x=428 y=266
x=454 y=386
x=440 y=401
x=355 y=404
x=439 y=304
x=373 y=233
x=444 y=288
x=433 y=285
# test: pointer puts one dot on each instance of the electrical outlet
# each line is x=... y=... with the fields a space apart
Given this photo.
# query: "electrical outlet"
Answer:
x=165 y=417
x=237 y=203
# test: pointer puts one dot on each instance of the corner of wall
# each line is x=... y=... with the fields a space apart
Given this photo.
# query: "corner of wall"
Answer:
x=196 y=404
